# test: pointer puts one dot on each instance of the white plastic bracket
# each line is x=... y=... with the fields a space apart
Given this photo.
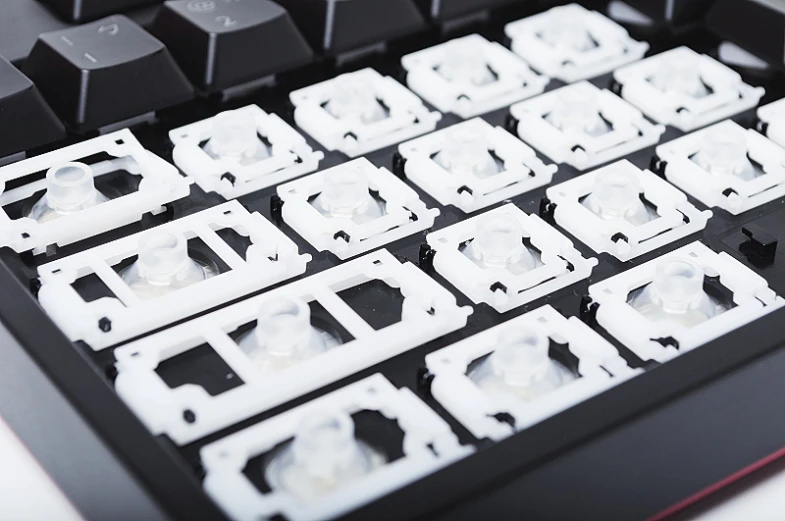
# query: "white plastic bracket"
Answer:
x=627 y=132
x=475 y=408
x=675 y=217
x=772 y=118
x=559 y=265
x=512 y=81
x=751 y=295
x=520 y=169
x=429 y=311
x=610 y=47
x=428 y=445
x=289 y=155
x=403 y=212
x=726 y=190
x=407 y=116
x=726 y=96
x=160 y=184
x=271 y=258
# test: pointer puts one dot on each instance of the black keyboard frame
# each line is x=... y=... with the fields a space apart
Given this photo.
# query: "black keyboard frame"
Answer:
x=593 y=461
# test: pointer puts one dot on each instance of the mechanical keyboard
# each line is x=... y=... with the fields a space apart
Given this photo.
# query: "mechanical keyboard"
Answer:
x=393 y=259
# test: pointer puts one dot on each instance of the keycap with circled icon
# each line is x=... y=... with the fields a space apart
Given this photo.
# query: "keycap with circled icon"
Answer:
x=105 y=72
x=210 y=40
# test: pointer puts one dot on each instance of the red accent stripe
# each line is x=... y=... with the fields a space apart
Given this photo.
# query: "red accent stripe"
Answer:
x=717 y=486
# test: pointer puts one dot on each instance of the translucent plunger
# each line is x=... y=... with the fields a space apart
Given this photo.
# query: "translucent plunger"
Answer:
x=616 y=195
x=464 y=62
x=163 y=265
x=498 y=243
x=353 y=97
x=724 y=152
x=284 y=336
x=680 y=73
x=346 y=194
x=466 y=152
x=69 y=188
x=676 y=293
x=566 y=28
x=235 y=137
x=323 y=456
x=577 y=111
x=521 y=365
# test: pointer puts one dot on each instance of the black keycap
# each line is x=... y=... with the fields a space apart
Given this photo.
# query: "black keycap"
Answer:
x=105 y=72
x=221 y=44
x=335 y=27
x=86 y=10
x=21 y=21
x=144 y=16
x=26 y=121
x=674 y=12
x=756 y=25
x=446 y=10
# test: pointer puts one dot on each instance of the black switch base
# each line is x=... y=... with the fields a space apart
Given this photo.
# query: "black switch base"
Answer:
x=761 y=247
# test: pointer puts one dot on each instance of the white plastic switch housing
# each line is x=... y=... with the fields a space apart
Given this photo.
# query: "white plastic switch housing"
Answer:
x=242 y=151
x=679 y=318
x=727 y=166
x=583 y=126
x=473 y=165
x=506 y=258
x=159 y=289
x=470 y=76
x=772 y=117
x=571 y=43
x=685 y=89
x=513 y=381
x=429 y=311
x=71 y=208
x=353 y=208
x=624 y=211
x=359 y=112
x=428 y=445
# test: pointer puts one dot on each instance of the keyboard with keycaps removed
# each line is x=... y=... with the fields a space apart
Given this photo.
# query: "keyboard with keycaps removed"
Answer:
x=393 y=259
